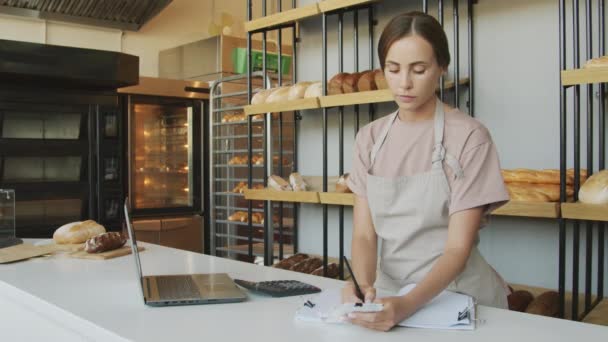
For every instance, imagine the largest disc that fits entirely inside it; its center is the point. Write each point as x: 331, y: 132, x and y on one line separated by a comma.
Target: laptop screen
x: 134, y: 250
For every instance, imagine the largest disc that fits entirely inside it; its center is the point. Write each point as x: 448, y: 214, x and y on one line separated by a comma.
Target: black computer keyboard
x: 10, y: 241
x: 279, y: 288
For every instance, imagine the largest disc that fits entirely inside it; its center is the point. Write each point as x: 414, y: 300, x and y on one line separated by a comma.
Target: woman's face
x: 412, y: 72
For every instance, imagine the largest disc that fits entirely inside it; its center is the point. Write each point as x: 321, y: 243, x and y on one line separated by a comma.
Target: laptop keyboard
x: 177, y: 287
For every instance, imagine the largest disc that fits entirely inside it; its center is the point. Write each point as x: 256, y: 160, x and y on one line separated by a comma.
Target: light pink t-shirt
x: 408, y: 149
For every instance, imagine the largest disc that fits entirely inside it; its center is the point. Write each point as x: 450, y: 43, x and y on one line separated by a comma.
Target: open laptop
x: 183, y: 289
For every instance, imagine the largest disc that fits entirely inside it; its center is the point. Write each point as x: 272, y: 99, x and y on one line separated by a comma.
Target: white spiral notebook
x: 449, y: 310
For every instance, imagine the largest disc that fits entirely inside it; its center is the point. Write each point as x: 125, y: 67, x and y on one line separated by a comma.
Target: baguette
x: 314, y: 90
x: 261, y: 96
x: 298, y: 90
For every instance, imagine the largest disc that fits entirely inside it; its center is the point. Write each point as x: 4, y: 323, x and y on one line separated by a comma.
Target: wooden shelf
x: 582, y: 211
x: 332, y: 5
x: 295, y: 14
x: 599, y: 315
x: 362, y: 97
x: 282, y: 196
x: 282, y: 18
x: 308, y: 103
x: 529, y: 209
x: 585, y: 76
x: 337, y: 198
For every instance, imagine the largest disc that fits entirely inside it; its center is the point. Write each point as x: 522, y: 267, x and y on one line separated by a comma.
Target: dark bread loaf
x: 366, y: 81
x: 104, y: 242
x: 292, y: 260
x: 349, y: 83
x: 332, y: 271
x: 519, y: 300
x: 380, y: 80
x: 307, y: 265
x: 547, y: 304
x: 334, y: 86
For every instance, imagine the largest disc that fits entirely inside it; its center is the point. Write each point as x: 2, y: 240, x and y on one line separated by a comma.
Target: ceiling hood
x: 129, y: 15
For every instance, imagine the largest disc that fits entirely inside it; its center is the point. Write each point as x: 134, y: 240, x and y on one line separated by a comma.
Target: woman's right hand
x: 349, y: 294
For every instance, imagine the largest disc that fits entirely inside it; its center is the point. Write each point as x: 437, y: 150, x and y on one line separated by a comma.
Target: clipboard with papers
x: 447, y: 311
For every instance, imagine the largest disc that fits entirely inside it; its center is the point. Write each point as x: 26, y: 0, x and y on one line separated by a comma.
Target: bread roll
x: 380, y: 80
x: 519, y: 300
x: 341, y: 185
x: 277, y: 183
x: 332, y: 271
x: 597, y: 62
x: 307, y: 265
x: 298, y: 90
x: 278, y: 95
x: 297, y: 182
x: 104, y: 242
x: 349, y: 83
x: 292, y: 260
x: 334, y: 87
x: 595, y: 189
x: 77, y: 232
x: 314, y: 90
x: 547, y: 304
x: 261, y: 96
x: 366, y: 81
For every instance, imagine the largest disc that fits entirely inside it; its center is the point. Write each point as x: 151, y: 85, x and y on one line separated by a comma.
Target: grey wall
x: 516, y: 97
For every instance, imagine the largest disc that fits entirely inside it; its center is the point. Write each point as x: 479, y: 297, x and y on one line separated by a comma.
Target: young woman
x: 424, y: 178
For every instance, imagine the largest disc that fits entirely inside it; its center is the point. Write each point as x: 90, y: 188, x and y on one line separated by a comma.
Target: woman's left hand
x: 395, y: 310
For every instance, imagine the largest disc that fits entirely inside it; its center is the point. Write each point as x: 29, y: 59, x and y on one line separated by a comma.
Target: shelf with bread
x: 295, y: 14
x: 592, y: 200
x: 343, y: 89
x: 594, y: 71
x: 599, y: 314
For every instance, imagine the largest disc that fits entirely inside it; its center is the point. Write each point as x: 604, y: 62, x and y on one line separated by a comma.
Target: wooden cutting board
x: 124, y: 250
x: 25, y: 251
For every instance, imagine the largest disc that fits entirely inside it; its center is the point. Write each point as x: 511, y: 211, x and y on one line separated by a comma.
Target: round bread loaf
x: 298, y: 90
x: 595, y: 189
x: 77, y: 232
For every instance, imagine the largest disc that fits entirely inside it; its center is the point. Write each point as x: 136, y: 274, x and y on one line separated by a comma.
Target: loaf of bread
x: 520, y: 194
x: 278, y: 95
x: 341, y: 185
x: 104, y: 242
x: 298, y: 90
x: 307, y: 265
x: 240, y: 188
x: 287, y: 263
x: 367, y: 81
x: 595, y: 189
x: 380, y: 80
x: 233, y: 117
x: 332, y: 271
x: 77, y: 232
x: 334, y: 87
x: 297, y: 182
x: 261, y: 96
x: 349, y: 83
x: 551, y: 191
x: 277, y: 183
x: 314, y: 90
x: 548, y: 176
x: 546, y: 304
x: 519, y: 300
x: 597, y: 62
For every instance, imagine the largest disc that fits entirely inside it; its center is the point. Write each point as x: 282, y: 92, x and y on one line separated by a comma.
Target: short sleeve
x: 482, y: 183
x: 357, y: 180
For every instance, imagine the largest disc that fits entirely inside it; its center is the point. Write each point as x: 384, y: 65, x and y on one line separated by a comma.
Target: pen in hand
x: 358, y: 291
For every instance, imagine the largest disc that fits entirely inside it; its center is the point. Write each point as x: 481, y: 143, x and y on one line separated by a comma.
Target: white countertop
x: 101, y: 300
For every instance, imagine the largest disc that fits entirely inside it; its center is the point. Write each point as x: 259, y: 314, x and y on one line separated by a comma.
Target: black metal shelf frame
x: 576, y: 145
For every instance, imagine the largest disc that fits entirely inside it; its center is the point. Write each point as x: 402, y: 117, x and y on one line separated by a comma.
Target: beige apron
x: 410, y: 216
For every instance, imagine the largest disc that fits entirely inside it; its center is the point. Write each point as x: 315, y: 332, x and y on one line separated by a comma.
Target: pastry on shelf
x: 314, y: 90
x: 341, y: 185
x: 546, y: 304
x: 349, y: 82
x: 287, y: 263
x: 519, y: 300
x: 597, y: 62
x: 241, y: 216
x: 242, y: 160
x: 278, y: 95
x: 332, y: 271
x: 298, y: 90
x: 535, y: 192
x: 380, y: 79
x: 297, y: 182
x: 546, y: 176
x: 277, y: 183
x: 261, y: 96
x: 334, y: 87
x: 367, y: 81
x: 595, y: 189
